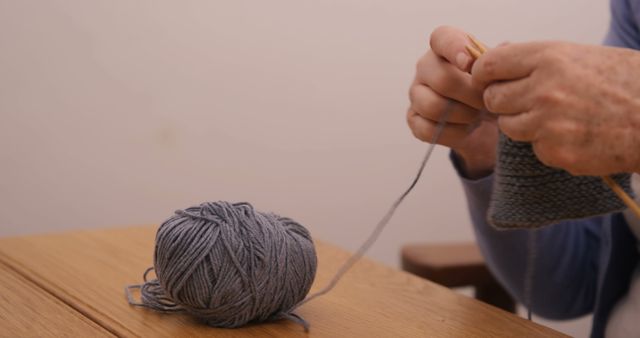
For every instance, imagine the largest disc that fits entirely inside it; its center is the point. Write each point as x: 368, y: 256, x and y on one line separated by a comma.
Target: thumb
x: 449, y: 43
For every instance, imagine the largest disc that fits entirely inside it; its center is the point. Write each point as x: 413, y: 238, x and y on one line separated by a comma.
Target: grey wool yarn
x: 529, y: 194
x: 229, y: 265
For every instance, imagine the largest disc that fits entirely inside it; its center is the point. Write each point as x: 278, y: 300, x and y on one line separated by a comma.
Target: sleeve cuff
x: 468, y: 182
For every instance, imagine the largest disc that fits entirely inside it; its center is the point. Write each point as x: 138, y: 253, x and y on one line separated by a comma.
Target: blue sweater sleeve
x: 623, y: 27
x: 565, y: 272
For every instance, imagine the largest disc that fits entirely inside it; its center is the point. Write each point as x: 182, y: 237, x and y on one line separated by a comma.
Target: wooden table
x: 72, y: 284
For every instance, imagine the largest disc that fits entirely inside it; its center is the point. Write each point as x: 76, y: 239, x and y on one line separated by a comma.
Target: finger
x: 508, y: 97
x: 507, y: 62
x: 553, y: 156
x: 446, y: 80
x: 519, y: 127
x: 431, y: 105
x: 424, y: 130
x: 449, y: 43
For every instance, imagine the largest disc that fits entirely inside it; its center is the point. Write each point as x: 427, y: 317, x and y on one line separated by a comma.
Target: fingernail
x: 463, y: 60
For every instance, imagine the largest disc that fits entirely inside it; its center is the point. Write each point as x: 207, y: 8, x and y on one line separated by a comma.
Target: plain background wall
x: 116, y: 113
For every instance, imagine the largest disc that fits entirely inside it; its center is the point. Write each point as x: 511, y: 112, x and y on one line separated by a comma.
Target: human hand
x: 578, y: 105
x: 442, y: 75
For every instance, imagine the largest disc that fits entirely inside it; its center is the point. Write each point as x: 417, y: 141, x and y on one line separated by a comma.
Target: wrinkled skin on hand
x: 579, y: 105
x: 442, y: 74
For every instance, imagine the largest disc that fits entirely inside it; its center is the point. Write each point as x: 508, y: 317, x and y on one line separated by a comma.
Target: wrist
x: 473, y: 165
x: 476, y: 157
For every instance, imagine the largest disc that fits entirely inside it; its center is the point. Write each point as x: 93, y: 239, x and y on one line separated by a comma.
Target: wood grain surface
x: 28, y: 311
x: 89, y: 270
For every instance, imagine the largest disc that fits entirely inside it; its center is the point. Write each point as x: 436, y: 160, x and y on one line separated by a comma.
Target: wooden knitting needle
x: 630, y: 202
x: 477, y: 49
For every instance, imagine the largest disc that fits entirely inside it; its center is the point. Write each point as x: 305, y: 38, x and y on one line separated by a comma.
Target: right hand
x: 441, y: 75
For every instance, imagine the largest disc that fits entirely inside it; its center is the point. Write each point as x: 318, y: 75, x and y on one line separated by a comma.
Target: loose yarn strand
x: 152, y: 295
x: 530, y: 271
x: 387, y: 217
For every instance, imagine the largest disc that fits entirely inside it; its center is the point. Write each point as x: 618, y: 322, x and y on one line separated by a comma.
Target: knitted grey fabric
x: 529, y: 194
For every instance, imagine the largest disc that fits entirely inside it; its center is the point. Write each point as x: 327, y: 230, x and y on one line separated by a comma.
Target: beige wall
x: 118, y: 112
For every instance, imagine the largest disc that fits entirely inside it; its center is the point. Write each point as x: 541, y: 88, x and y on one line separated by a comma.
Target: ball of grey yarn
x: 230, y: 265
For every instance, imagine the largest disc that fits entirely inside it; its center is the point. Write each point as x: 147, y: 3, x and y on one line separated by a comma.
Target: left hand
x: 578, y: 105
